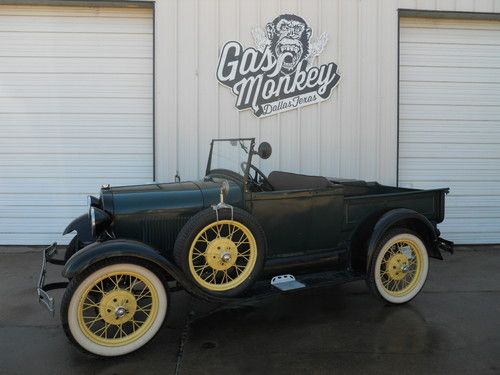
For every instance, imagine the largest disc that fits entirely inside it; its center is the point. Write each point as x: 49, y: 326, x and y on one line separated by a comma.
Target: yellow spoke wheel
x: 118, y: 308
x: 399, y: 267
x: 222, y: 255
x: 114, y: 309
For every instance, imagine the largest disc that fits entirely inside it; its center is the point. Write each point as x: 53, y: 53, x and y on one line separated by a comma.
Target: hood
x: 152, y: 198
x: 182, y: 197
x: 155, y: 213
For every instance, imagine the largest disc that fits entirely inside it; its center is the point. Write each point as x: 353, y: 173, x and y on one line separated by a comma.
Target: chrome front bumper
x: 42, y: 288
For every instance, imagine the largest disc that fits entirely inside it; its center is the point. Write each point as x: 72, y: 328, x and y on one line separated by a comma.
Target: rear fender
x: 99, y: 251
x: 82, y: 226
x: 409, y: 219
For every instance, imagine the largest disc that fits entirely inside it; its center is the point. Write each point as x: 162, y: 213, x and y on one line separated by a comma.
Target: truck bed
x: 354, y: 188
x: 362, y: 198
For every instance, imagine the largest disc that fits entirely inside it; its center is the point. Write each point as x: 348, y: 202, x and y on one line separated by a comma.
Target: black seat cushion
x: 292, y: 181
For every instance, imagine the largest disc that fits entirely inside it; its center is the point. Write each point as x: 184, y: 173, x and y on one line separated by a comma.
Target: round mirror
x: 265, y: 150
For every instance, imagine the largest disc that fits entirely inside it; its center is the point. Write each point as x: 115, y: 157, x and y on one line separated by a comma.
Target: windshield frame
x: 251, y: 152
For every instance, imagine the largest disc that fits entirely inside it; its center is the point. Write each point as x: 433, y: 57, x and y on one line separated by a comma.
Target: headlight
x: 98, y: 219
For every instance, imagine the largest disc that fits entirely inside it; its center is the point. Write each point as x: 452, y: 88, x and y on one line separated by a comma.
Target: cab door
x: 326, y: 219
x: 298, y: 221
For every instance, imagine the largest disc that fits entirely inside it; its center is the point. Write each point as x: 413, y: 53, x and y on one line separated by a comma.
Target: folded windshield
x: 230, y: 154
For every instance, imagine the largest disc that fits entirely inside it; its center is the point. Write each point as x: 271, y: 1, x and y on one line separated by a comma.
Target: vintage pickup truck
x: 234, y: 236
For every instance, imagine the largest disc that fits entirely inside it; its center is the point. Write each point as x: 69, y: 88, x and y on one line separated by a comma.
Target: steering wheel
x: 259, y: 180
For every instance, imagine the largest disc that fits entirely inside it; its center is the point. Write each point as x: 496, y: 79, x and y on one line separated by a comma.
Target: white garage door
x: 75, y: 112
x: 450, y: 120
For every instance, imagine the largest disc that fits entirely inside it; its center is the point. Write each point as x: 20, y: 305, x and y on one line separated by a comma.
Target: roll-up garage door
x: 76, y: 112
x: 449, y: 130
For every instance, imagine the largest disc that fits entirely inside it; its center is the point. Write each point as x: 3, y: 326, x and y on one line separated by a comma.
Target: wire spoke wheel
x: 114, y: 308
x: 399, y: 267
x: 118, y: 308
x: 222, y: 255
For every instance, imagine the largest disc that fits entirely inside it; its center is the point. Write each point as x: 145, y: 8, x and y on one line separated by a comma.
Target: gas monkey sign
x: 277, y: 75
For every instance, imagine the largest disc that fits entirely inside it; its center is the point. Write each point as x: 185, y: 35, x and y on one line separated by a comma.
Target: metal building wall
x: 76, y: 99
x: 449, y: 129
x: 353, y: 134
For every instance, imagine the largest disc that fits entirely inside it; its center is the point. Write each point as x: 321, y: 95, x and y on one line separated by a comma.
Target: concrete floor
x: 453, y: 326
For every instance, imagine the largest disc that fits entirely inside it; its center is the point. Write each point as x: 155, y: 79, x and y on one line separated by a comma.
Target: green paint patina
x: 335, y: 219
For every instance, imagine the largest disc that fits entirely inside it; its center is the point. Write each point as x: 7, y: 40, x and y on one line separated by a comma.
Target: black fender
x: 99, y: 251
x: 82, y: 226
x: 407, y: 218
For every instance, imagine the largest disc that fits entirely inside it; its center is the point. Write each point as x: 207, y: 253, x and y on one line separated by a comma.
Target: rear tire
x: 223, y: 257
x: 399, y: 266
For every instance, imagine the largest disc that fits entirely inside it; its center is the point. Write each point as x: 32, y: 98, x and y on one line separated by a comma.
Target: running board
x: 287, y: 284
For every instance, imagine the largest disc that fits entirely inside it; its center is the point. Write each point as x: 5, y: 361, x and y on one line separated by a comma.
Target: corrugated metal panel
x: 450, y: 120
x: 353, y: 134
x: 75, y: 112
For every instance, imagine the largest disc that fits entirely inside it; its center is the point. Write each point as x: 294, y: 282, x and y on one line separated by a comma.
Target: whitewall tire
x: 114, y: 309
x: 399, y: 266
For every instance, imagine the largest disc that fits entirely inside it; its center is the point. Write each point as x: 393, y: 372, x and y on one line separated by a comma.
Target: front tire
x: 399, y: 266
x: 114, y: 308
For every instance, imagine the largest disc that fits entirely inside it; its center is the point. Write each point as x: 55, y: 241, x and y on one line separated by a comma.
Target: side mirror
x: 265, y: 150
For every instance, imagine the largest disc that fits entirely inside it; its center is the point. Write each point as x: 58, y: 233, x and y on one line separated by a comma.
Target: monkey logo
x: 289, y: 39
x: 289, y: 36
x: 277, y: 75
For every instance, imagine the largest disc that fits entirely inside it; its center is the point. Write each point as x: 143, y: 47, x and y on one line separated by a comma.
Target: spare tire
x: 223, y: 251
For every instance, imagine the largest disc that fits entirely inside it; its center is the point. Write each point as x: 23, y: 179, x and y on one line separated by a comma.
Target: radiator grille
x: 161, y: 232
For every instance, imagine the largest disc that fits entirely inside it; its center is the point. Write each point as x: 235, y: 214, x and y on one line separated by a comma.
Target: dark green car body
x: 337, y: 226
x: 235, y: 237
